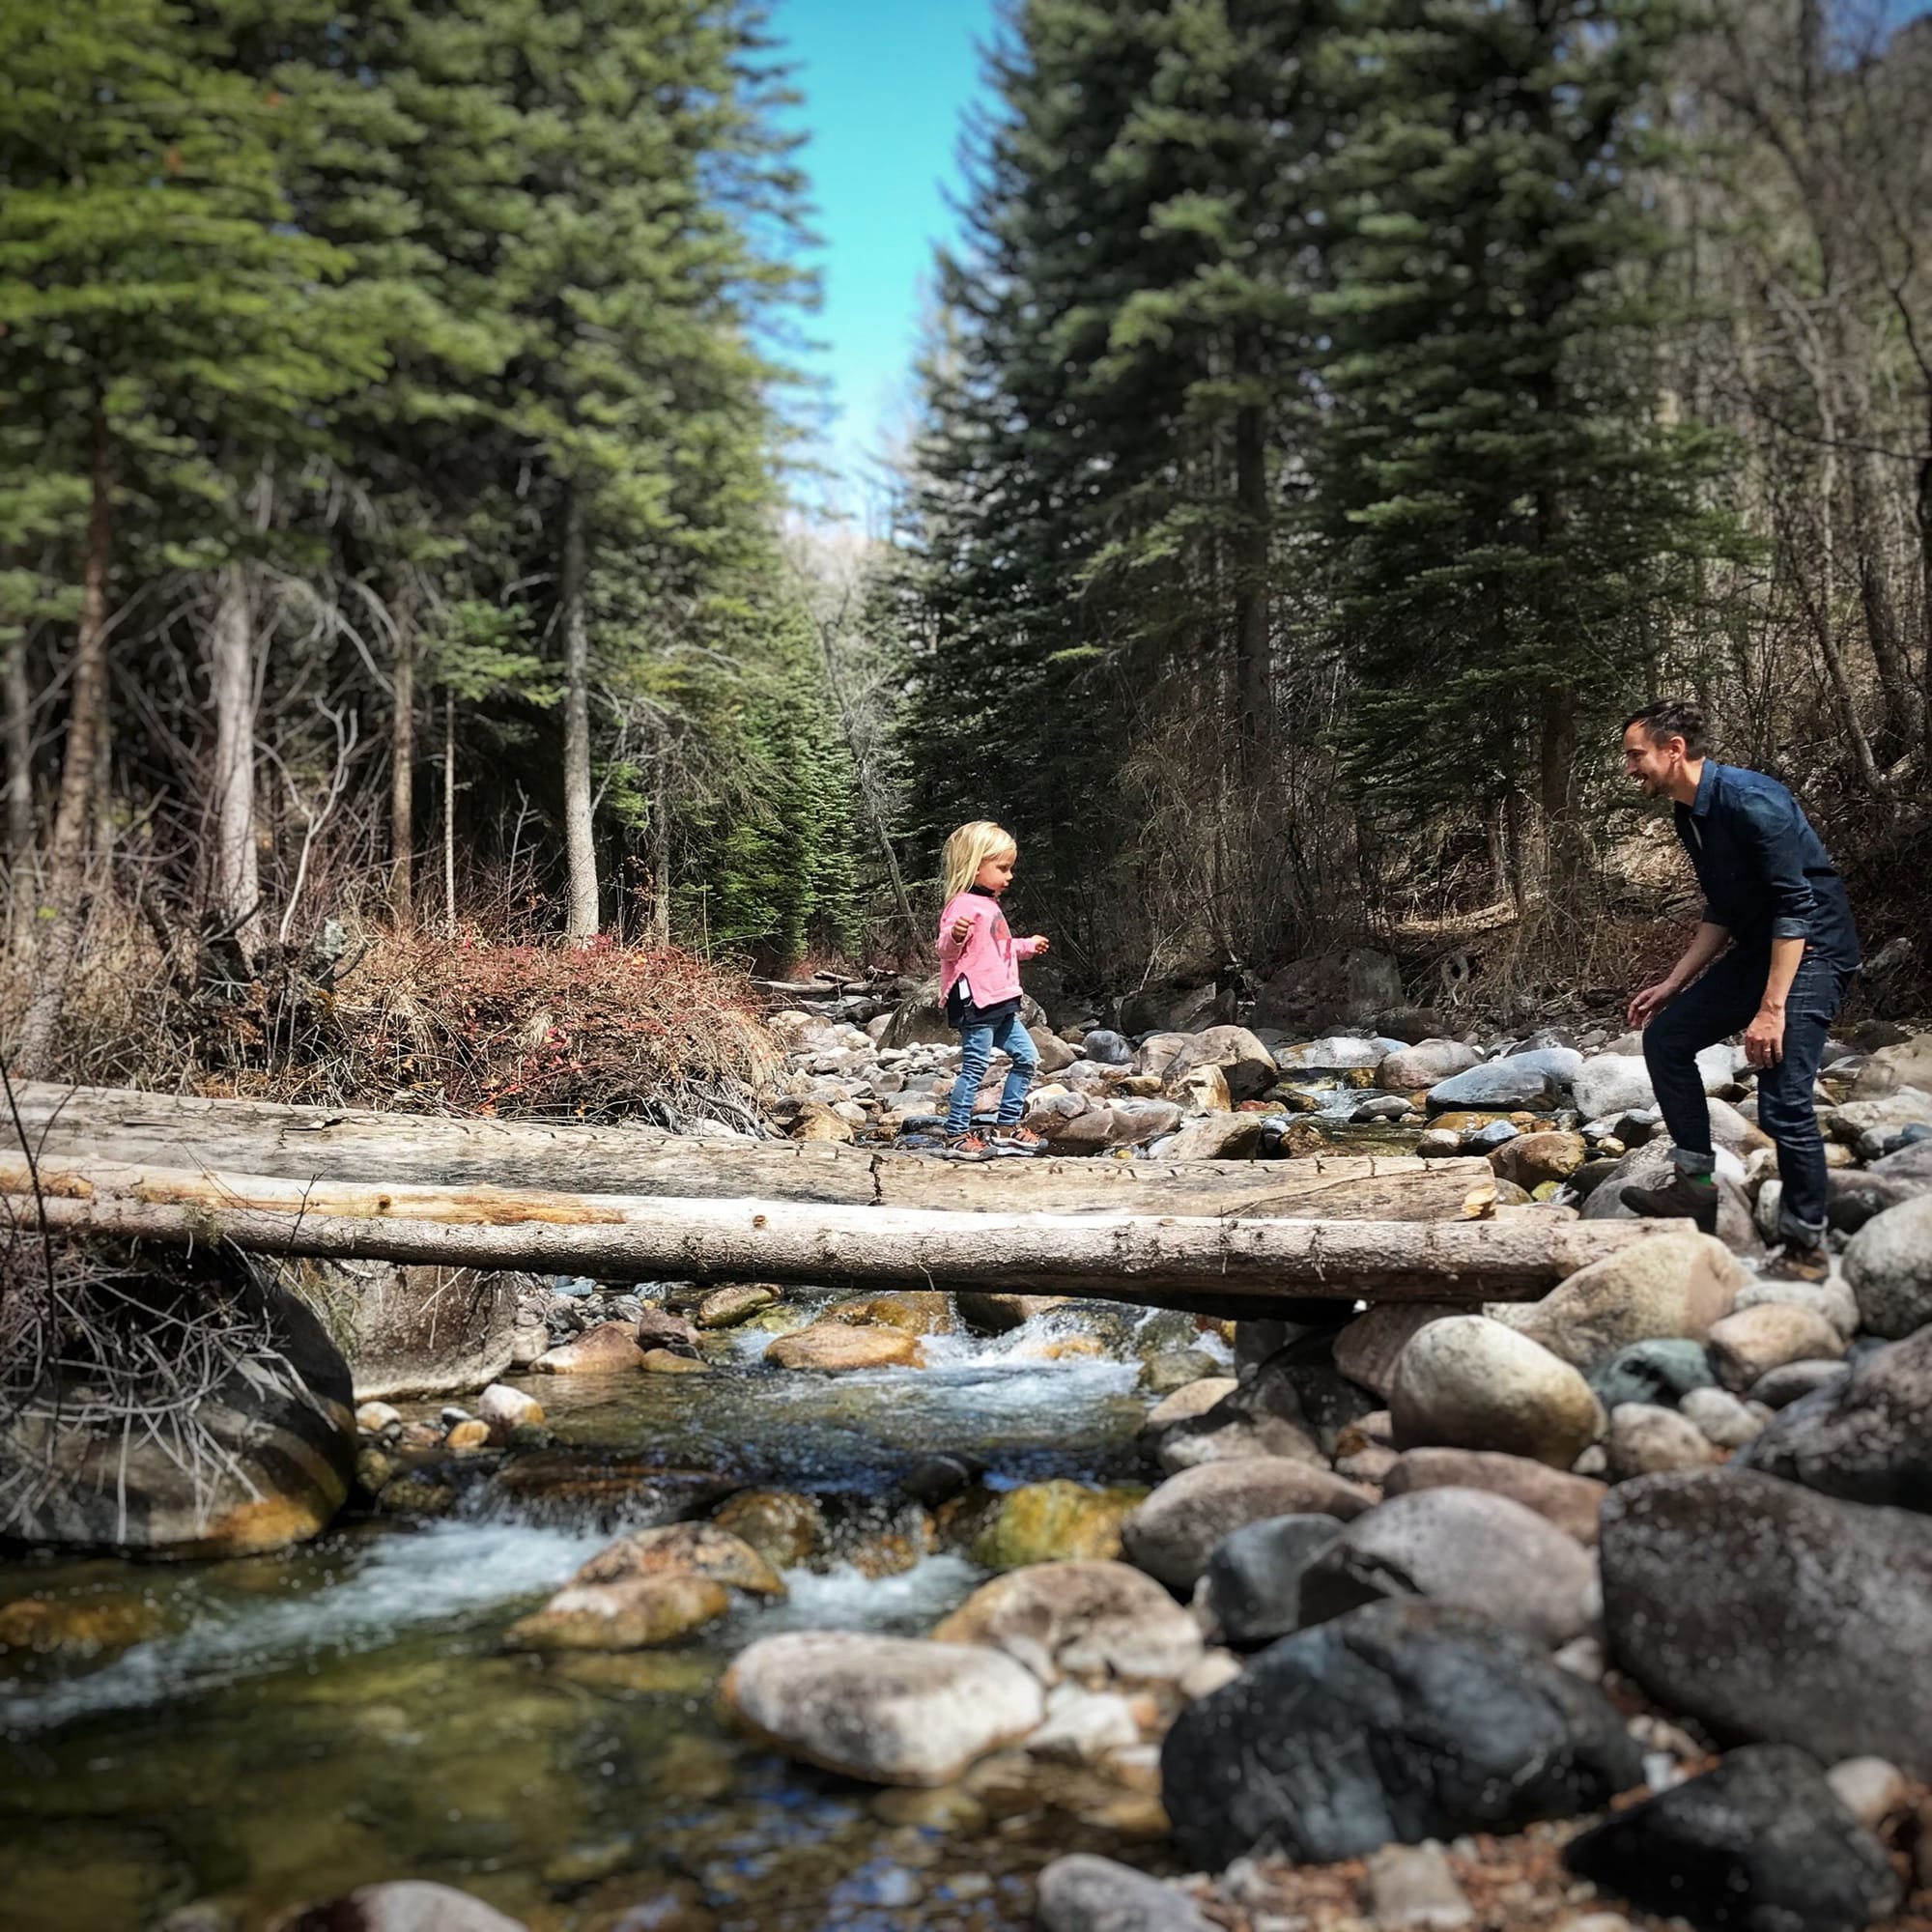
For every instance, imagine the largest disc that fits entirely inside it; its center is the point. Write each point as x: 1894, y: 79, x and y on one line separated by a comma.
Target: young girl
x: 979, y: 983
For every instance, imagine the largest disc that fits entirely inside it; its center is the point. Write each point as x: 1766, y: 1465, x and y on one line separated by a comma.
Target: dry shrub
x: 600, y: 1032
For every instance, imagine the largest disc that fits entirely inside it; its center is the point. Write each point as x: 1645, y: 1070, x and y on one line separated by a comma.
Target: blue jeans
x: 1724, y: 1002
x: 976, y: 1044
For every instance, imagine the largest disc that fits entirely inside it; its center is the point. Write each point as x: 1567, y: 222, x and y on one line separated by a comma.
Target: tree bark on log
x: 74, y: 1125
x: 1213, y: 1264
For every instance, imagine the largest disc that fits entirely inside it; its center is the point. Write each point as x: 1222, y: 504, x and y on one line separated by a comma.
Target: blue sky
x: 887, y: 84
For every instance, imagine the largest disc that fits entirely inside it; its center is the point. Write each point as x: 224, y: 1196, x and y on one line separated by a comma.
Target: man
x: 1775, y: 951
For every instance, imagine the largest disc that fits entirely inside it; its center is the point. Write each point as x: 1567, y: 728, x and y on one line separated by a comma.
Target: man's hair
x: 1672, y: 719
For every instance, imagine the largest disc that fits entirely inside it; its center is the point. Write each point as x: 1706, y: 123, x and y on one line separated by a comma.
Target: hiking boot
x: 1684, y: 1200
x: 1796, y: 1260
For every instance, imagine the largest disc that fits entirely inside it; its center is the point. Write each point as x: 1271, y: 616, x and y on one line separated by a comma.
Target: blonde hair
x: 969, y: 848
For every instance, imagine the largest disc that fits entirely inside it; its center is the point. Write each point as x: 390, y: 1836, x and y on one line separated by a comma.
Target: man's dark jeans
x: 1724, y: 1002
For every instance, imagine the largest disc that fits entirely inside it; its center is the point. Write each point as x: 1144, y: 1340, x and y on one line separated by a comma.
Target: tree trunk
x: 868, y: 801
x: 1202, y: 1261
x: 1565, y: 850
x: 62, y: 907
x: 23, y: 860
x: 449, y: 813
x: 1252, y: 642
x: 1824, y: 619
x: 235, y: 885
x: 1900, y: 728
x: 403, y: 774
x: 579, y: 848
x: 302, y: 1143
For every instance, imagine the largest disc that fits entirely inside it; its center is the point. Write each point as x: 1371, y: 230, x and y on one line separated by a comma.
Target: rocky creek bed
x: 768, y: 1606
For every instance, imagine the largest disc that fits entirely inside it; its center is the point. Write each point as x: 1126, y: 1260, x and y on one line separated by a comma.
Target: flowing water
x: 287, y: 1727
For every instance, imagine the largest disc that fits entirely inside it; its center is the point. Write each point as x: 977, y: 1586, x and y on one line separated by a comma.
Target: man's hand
x: 1764, y: 1038
x: 961, y: 927
x: 1646, y: 1005
x: 1040, y: 942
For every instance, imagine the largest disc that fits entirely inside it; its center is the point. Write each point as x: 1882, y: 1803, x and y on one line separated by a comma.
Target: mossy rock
x: 914, y: 1311
x: 1055, y: 1521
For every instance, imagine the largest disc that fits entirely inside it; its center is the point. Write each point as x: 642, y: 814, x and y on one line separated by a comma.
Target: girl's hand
x: 961, y: 927
x: 1040, y: 942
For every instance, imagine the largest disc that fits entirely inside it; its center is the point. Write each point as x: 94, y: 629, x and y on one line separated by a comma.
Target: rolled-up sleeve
x: 1771, y: 835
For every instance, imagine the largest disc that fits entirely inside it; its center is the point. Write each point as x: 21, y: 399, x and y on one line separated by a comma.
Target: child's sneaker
x: 1017, y: 1140
x: 968, y: 1147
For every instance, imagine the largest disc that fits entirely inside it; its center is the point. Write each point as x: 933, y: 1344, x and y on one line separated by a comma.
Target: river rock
x: 1471, y: 1548
x: 1888, y: 1268
x: 1758, y: 1340
x: 1338, y: 1054
x: 402, y: 1904
x: 784, y: 1528
x: 1467, y: 1382
x: 1107, y: 1047
x: 275, y: 1454
x: 1570, y: 1502
x: 1762, y: 1841
x: 1658, y: 1372
x: 1831, y: 1298
x: 1613, y: 1084
x: 885, y: 1709
x: 1000, y: 1313
x: 501, y: 1409
x: 1768, y: 1612
x: 1650, y: 1166
x: 418, y: 1331
x: 1644, y: 1439
x: 609, y: 1346
x: 1782, y: 1387
x: 1673, y: 1286
x: 1724, y: 1421
x: 1368, y: 1350
x: 1083, y: 1620
x: 1426, y: 1063
x: 1533, y: 1079
x: 1190, y: 1400
x: 917, y: 1311
x: 1046, y: 1523
x: 1084, y: 1894
x: 1252, y: 1586
x: 1531, y: 1159
x: 1248, y: 1066
x: 1866, y: 1435
x: 837, y: 1346
x: 659, y: 1328
x: 1395, y: 1723
x: 633, y: 1613
x: 1174, y: 1531
x: 726, y: 1307
x: 1219, y: 1136
x: 684, y: 1549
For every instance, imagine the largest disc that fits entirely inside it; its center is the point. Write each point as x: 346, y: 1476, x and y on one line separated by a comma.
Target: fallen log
x: 1215, y: 1265
x: 74, y: 1126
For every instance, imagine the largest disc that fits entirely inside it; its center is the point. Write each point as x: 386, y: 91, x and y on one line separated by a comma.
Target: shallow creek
x: 290, y: 1726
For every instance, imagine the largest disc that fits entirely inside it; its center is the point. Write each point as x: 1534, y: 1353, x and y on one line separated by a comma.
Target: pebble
x: 1872, y: 1789
x: 1411, y: 1886
x: 373, y: 1417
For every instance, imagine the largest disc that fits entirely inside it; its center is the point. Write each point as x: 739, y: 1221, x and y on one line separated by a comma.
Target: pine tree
x: 167, y: 326
x: 1516, y: 515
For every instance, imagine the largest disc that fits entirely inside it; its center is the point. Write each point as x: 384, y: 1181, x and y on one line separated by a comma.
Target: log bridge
x: 1238, y: 1239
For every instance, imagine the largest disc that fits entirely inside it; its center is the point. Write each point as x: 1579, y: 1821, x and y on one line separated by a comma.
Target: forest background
x: 1337, y: 415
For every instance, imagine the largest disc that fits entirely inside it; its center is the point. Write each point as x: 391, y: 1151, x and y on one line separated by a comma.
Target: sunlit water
x: 296, y: 1725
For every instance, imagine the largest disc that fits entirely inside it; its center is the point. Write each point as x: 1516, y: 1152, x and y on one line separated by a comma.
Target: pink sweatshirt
x: 988, y: 958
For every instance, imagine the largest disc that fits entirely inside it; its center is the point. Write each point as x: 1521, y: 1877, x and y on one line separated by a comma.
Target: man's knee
x: 1784, y: 1113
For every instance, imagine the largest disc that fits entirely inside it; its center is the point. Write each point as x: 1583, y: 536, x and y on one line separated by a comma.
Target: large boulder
x: 1246, y: 1066
x: 1470, y: 1547
x: 1675, y: 1286
x: 1252, y: 1586
x: 1396, y: 1723
x: 1467, y: 1382
x: 416, y: 1331
x: 634, y: 1614
x: 1768, y: 1612
x: 1174, y: 1532
x: 1536, y: 1079
x: 1329, y: 990
x: 836, y: 1348
x: 1424, y: 1064
x: 1080, y: 1620
x: 1368, y: 1350
x: 1761, y: 1842
x: 920, y: 1018
x: 1532, y: 1159
x: 1570, y: 1502
x: 256, y: 1452
x: 1865, y: 1436
x: 885, y: 1709
x: 1889, y: 1266
x: 608, y: 1349
x: 1766, y: 1336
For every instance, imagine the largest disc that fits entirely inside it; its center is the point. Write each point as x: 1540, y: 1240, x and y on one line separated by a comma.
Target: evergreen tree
x: 1517, y: 517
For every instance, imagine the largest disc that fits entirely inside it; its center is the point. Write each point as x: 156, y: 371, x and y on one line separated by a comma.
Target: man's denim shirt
x: 1765, y: 874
